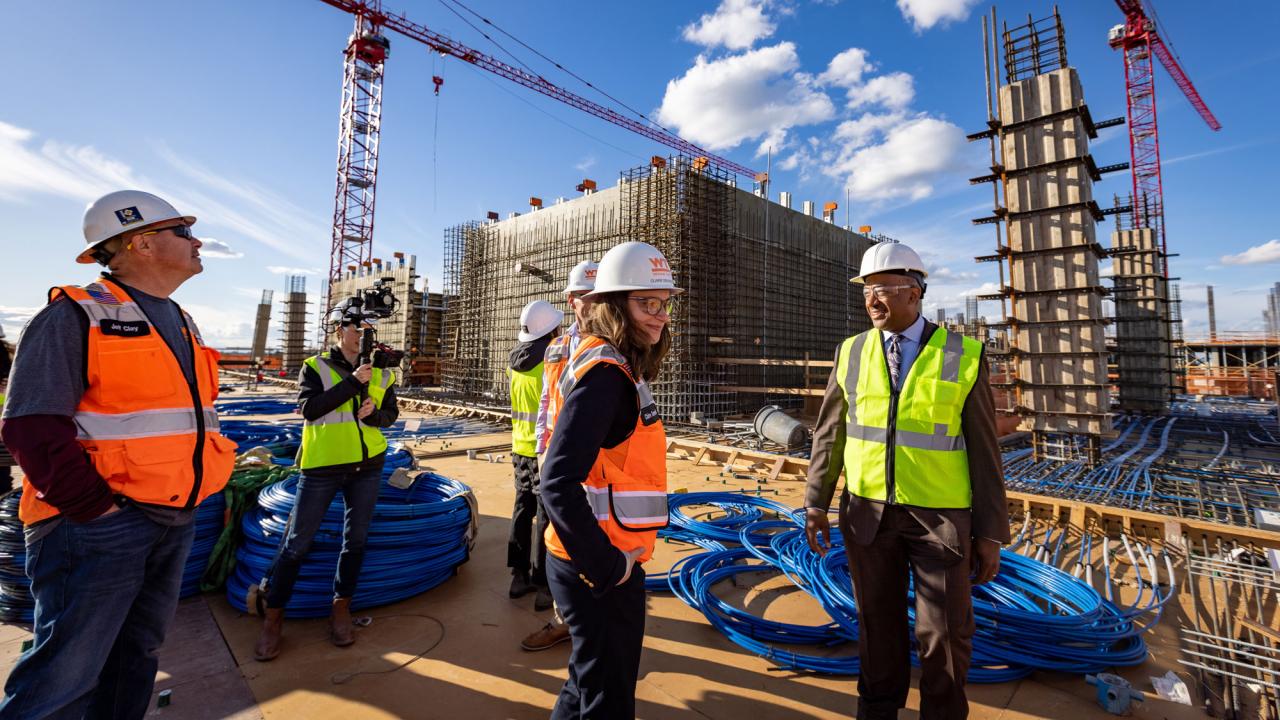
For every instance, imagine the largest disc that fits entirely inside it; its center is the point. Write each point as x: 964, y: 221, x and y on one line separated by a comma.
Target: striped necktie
x: 895, y: 359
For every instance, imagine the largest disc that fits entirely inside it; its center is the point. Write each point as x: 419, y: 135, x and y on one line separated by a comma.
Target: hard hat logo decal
x: 129, y: 215
x: 659, y: 266
x: 591, y: 273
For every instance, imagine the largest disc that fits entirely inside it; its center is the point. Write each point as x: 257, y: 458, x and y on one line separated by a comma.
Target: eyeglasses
x: 884, y: 292
x: 653, y: 305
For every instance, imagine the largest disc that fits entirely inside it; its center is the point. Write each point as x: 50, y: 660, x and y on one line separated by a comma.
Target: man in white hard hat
x: 582, y: 280
x: 908, y: 417
x: 110, y: 414
x: 526, y: 550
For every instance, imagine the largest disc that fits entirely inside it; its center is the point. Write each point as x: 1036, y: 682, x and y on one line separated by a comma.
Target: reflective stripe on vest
x: 526, y: 392
x: 338, y: 437
x: 930, y: 465
x: 148, y: 431
x: 553, y: 364
x: 626, y: 487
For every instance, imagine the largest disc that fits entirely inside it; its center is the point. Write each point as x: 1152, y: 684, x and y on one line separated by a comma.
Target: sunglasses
x: 653, y: 305
x: 182, y: 231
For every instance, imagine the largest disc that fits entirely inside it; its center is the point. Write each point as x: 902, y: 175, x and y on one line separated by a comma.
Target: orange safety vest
x: 152, y: 437
x: 554, y: 361
x: 627, y: 485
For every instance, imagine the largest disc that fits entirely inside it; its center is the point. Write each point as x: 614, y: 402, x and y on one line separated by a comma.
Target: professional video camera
x: 369, y: 306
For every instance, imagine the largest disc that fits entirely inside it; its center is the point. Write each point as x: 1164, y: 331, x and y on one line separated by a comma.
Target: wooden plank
x: 697, y: 460
x: 1261, y: 629
x: 777, y: 469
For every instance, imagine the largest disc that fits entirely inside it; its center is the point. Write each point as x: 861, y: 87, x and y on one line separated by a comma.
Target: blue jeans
x: 316, y: 490
x: 105, y: 593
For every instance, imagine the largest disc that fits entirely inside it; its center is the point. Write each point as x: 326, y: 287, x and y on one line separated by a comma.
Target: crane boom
x: 1182, y: 81
x: 451, y: 47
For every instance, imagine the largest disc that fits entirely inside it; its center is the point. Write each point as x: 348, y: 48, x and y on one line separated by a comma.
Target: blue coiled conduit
x: 416, y: 541
x: 1033, y: 616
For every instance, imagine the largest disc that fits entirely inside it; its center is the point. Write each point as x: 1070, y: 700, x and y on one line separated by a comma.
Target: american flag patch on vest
x: 102, y: 295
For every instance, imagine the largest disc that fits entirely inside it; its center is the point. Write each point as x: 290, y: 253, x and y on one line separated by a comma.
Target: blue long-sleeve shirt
x: 600, y: 412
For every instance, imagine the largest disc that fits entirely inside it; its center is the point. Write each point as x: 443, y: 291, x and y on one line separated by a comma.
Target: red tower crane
x: 1139, y: 38
x: 361, y: 121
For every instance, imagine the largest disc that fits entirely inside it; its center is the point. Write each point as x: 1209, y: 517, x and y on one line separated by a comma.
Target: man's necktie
x: 895, y: 359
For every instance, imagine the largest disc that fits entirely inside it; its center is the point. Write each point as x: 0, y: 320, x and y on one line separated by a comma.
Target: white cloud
x: 282, y: 270
x: 222, y: 327
x: 251, y: 210
x: 721, y: 103
x: 904, y: 164
x: 79, y: 172
x: 586, y: 164
x: 1268, y: 252
x: 212, y: 248
x: 895, y: 91
x: 736, y: 24
x: 13, y: 318
x: 946, y: 273
x: 986, y: 288
x: 924, y: 14
x: 846, y: 68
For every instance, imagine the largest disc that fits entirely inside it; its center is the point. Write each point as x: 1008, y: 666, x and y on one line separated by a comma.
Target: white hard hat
x: 537, y: 319
x: 582, y: 278
x: 634, y: 266
x: 121, y: 211
x: 889, y: 257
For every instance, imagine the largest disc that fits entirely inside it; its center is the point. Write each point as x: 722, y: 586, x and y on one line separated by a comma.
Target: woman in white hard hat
x: 608, y: 441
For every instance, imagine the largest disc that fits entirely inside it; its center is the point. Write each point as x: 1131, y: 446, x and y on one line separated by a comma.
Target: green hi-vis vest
x: 921, y: 423
x: 526, y: 394
x: 338, y: 438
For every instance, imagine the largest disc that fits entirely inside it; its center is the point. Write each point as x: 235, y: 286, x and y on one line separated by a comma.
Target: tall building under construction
x: 767, y: 287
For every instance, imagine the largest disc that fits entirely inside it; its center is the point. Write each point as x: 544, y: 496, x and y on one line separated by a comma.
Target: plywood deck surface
x: 474, y: 668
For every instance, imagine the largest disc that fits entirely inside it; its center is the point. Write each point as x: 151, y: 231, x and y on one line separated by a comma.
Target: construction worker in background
x: 343, y: 404
x: 582, y: 280
x: 6, y: 460
x: 908, y: 417
x: 526, y: 551
x: 110, y: 414
x: 605, y: 480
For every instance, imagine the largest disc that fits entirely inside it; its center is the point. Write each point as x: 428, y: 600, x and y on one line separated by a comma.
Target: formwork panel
x: 1144, y: 347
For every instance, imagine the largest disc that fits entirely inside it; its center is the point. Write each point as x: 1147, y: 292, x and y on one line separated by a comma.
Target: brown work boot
x: 549, y: 636
x: 341, y: 629
x: 268, y: 646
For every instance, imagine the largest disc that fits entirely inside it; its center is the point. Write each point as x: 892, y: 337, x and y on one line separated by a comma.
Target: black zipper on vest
x: 197, y: 459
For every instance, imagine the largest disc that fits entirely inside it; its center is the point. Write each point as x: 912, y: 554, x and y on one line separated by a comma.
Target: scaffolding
x: 767, y: 287
x: 1050, y: 291
x: 293, y: 325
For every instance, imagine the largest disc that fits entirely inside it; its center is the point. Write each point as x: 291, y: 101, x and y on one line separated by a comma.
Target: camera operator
x: 339, y: 391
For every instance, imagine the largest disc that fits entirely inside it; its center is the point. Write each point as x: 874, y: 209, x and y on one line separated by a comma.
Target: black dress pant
x: 902, y: 549
x: 607, y: 634
x: 526, y: 548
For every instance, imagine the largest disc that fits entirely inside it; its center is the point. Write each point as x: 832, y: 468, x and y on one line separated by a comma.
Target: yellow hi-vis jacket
x: 526, y: 395
x: 338, y: 438
x: 907, y: 446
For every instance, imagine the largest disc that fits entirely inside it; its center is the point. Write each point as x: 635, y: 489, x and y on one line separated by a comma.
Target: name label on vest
x: 649, y: 414
x: 136, y: 328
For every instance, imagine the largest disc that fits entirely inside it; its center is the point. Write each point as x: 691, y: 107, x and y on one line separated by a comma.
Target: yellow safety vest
x: 929, y: 466
x: 338, y: 438
x: 526, y: 394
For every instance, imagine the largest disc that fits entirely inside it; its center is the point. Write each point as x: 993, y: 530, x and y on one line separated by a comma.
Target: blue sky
x: 230, y: 109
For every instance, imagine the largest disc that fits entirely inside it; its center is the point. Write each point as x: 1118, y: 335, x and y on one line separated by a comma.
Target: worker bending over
x: 526, y: 550
x: 605, y: 480
x: 110, y: 414
x: 908, y: 417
